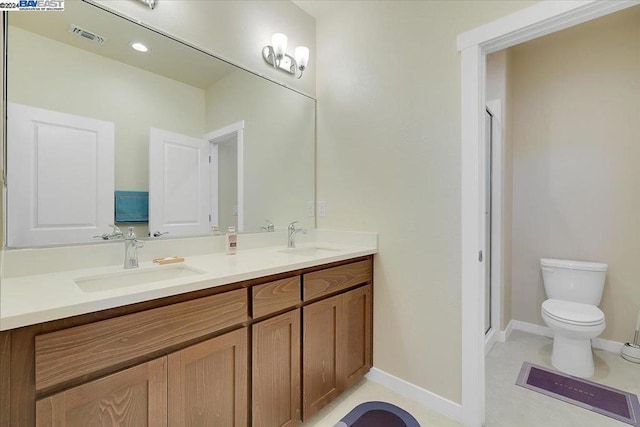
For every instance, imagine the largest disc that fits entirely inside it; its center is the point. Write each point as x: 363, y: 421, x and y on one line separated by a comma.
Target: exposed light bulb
x: 279, y: 43
x: 301, y: 54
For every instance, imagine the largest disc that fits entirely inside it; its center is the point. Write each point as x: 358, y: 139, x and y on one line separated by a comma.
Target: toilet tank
x: 576, y: 281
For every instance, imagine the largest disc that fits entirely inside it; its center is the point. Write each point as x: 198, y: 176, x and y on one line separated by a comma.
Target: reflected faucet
x: 270, y: 227
x: 115, y: 234
x: 292, y: 231
x: 131, y: 245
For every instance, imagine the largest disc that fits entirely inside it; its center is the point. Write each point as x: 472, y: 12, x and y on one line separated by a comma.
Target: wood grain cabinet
x: 276, y: 371
x: 208, y: 383
x: 357, y: 307
x: 323, y: 341
x: 202, y: 385
x: 336, y: 347
x: 133, y: 397
x: 265, y: 352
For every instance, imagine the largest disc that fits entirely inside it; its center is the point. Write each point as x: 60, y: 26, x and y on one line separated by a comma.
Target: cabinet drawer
x: 335, y: 279
x: 72, y: 353
x: 275, y: 296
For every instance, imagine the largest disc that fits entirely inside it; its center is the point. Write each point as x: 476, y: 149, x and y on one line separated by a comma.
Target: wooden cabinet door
x: 135, y: 397
x: 321, y: 364
x: 208, y: 383
x: 276, y: 371
x: 357, y: 325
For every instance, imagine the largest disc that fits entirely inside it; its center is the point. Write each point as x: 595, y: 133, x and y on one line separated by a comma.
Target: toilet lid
x: 573, y: 312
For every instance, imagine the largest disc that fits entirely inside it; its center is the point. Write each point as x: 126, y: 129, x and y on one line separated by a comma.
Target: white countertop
x: 30, y: 299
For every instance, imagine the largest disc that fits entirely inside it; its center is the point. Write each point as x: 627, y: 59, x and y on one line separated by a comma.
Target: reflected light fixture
x: 150, y: 3
x: 139, y: 47
x: 276, y: 55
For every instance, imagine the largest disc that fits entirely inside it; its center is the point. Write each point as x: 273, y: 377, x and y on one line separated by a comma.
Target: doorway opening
x: 528, y: 24
x: 226, y: 148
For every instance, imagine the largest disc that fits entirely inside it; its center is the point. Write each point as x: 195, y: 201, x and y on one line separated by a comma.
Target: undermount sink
x: 127, y: 278
x: 310, y: 251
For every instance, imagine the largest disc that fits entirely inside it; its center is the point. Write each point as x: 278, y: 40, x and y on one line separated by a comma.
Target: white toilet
x: 574, y: 289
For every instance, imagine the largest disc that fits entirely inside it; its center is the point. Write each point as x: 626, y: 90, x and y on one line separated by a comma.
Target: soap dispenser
x: 232, y: 240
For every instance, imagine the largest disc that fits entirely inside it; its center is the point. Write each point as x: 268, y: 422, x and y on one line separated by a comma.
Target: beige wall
x: 388, y: 149
x: 576, y: 128
x: 235, y: 30
x: 77, y: 78
x: 389, y: 161
x: 279, y: 144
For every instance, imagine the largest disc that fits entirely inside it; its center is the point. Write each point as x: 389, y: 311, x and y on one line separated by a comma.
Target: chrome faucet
x: 131, y: 245
x: 292, y: 231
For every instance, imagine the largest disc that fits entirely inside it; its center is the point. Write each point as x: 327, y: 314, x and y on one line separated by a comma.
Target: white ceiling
x: 312, y: 7
x: 167, y: 57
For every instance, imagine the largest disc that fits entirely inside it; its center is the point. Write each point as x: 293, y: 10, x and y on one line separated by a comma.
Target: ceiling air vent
x: 87, y: 35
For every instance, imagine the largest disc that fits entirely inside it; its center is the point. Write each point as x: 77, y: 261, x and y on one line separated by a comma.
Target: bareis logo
x: 32, y: 5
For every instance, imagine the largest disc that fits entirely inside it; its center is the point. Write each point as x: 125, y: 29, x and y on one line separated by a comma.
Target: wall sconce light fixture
x: 276, y: 55
x: 150, y: 3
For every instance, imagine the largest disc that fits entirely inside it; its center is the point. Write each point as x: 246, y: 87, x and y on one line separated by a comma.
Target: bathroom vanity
x: 270, y: 350
x: 265, y: 337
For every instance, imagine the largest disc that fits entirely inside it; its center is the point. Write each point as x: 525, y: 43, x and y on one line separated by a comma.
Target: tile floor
x: 511, y: 405
x: 507, y: 405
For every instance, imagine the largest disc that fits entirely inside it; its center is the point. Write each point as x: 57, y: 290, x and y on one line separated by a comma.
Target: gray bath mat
x: 377, y: 414
x: 595, y: 397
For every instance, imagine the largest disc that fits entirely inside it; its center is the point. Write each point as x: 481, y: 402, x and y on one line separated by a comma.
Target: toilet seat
x: 573, y: 313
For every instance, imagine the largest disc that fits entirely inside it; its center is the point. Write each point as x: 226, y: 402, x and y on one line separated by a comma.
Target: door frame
x: 474, y: 45
x: 214, y: 137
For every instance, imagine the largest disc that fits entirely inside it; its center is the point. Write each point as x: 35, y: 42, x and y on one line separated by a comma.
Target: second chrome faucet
x: 131, y: 245
x: 291, y: 234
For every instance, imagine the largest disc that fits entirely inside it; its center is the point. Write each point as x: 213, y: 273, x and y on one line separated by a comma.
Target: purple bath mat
x: 377, y: 414
x: 595, y: 397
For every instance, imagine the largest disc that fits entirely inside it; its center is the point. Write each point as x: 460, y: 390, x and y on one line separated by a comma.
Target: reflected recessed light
x: 139, y: 47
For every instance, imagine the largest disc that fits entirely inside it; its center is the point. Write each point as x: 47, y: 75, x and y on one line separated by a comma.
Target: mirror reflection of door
x: 195, y: 183
x: 60, y: 178
x: 178, y: 184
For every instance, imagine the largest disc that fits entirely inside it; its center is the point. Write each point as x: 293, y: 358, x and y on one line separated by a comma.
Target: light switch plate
x: 322, y: 208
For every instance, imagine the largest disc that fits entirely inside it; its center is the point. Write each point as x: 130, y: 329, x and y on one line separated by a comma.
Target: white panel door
x: 178, y: 184
x: 60, y: 177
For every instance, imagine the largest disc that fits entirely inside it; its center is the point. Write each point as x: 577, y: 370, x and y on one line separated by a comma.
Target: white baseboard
x: 503, y: 336
x: 489, y: 340
x: 545, y: 331
x: 607, y: 345
x: 532, y: 328
x: 431, y: 400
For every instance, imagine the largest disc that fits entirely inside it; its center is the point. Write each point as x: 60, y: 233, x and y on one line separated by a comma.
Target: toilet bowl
x: 573, y: 325
x: 574, y: 289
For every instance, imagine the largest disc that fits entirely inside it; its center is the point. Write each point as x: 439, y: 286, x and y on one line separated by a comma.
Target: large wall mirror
x: 90, y: 115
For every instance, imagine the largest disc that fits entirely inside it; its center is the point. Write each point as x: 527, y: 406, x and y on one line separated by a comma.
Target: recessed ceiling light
x: 139, y: 47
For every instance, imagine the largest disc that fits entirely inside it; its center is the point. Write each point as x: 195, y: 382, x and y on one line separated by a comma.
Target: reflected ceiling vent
x: 87, y: 35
